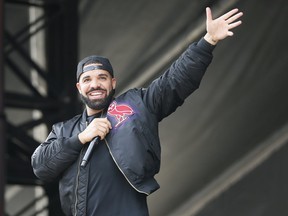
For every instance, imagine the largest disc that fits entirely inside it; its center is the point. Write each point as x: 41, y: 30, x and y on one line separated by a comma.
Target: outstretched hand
x: 218, y: 29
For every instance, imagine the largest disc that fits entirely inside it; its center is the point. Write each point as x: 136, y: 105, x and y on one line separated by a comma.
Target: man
x: 120, y: 171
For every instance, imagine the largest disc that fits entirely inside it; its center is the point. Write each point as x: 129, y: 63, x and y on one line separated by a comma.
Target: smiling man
x: 120, y: 172
x: 96, y: 89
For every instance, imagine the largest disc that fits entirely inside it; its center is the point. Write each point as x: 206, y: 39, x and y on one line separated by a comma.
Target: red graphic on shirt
x: 121, y: 112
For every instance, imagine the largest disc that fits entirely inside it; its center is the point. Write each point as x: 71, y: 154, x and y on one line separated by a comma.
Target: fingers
x: 102, y: 121
x: 235, y: 24
x: 102, y: 130
x: 101, y: 127
x: 229, y: 14
x: 220, y: 28
x: 98, y: 127
x: 230, y: 33
x: 235, y: 17
x: 231, y: 17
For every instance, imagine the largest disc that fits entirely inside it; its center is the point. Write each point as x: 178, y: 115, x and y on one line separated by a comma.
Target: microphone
x: 88, y: 153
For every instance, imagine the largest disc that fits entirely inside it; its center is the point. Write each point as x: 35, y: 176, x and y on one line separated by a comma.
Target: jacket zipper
x: 121, y: 169
x: 77, y: 180
x: 77, y: 184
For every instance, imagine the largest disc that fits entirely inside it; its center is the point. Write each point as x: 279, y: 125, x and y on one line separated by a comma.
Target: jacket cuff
x: 75, y: 143
x: 205, y: 45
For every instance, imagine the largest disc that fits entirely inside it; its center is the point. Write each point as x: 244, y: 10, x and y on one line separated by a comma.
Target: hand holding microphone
x: 95, y: 131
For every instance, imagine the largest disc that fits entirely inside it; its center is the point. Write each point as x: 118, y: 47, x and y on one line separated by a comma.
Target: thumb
x: 208, y: 14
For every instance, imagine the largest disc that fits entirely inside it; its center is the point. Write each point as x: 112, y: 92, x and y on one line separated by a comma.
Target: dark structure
x: 224, y: 152
x: 59, y: 25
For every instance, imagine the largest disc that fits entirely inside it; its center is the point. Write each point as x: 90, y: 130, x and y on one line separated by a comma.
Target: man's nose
x: 95, y: 84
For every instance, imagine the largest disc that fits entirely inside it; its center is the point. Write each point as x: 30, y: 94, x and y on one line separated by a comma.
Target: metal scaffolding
x: 59, y: 23
x: 2, y: 116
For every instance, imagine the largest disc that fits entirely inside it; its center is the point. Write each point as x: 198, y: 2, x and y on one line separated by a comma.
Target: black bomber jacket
x: 133, y: 142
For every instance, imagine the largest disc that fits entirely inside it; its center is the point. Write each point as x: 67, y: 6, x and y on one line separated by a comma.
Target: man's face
x: 96, y: 88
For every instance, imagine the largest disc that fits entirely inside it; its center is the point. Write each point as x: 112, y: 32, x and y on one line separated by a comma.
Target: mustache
x: 96, y: 89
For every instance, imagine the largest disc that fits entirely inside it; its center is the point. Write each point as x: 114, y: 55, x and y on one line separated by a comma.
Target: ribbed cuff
x: 205, y: 45
x: 75, y: 143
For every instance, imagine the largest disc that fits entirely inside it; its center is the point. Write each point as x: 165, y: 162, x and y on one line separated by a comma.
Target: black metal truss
x: 60, y: 25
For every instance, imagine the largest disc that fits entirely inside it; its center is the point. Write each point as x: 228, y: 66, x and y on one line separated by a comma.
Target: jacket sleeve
x: 183, y: 77
x: 55, y: 155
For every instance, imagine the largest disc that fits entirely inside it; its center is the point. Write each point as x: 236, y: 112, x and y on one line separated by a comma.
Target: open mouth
x: 97, y: 94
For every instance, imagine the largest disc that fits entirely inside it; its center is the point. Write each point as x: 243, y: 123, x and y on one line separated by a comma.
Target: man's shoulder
x: 70, y: 121
x: 133, y: 92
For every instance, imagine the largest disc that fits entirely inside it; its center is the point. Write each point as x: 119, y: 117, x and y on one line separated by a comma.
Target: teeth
x: 96, y: 93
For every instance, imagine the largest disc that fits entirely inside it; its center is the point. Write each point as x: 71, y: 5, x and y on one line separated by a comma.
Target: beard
x: 98, y: 104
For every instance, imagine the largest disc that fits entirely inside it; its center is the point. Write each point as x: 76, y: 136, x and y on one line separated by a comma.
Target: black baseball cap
x: 94, y: 59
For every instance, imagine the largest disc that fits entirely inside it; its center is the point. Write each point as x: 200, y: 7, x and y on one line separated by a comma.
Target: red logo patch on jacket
x: 120, y: 112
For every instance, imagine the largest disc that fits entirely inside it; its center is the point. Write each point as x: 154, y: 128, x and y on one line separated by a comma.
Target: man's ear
x: 114, y: 83
x: 78, y: 87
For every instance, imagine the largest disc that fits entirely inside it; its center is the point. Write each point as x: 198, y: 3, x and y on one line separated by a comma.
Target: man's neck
x: 91, y: 112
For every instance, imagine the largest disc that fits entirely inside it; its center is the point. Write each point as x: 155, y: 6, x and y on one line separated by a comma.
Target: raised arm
x: 183, y: 77
x: 220, y: 28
